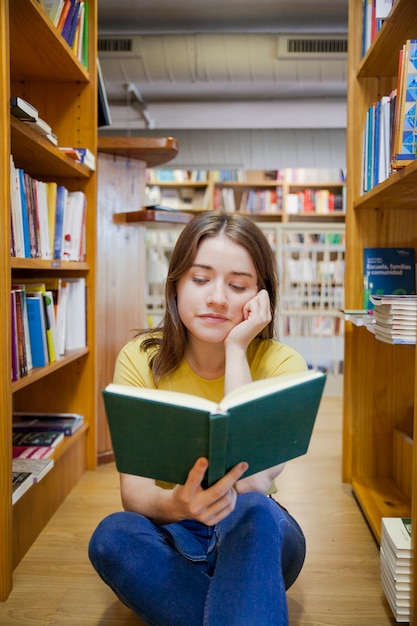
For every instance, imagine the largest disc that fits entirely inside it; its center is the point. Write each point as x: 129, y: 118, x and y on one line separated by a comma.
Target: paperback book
x: 68, y: 423
x: 48, y: 438
x: 160, y: 434
x: 21, y: 481
x: 32, y: 452
x: 387, y: 271
x: 37, y: 467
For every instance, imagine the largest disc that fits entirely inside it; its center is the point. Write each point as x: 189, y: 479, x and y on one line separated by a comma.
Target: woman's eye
x: 199, y: 280
x: 238, y: 287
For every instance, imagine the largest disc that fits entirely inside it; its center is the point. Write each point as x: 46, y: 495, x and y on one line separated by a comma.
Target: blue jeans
x: 188, y: 574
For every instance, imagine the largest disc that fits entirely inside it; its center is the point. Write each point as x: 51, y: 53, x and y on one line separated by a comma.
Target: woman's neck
x: 207, y: 361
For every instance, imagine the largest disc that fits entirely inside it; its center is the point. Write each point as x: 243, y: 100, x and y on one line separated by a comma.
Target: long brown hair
x: 172, y: 339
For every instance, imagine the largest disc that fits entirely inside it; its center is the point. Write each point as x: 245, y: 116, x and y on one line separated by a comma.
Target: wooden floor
x: 338, y: 586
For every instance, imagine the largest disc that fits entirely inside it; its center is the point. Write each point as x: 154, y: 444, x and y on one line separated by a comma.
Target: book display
x: 39, y: 374
x: 380, y: 413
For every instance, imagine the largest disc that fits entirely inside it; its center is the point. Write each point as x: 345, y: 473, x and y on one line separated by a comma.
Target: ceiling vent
x: 118, y: 47
x: 293, y: 47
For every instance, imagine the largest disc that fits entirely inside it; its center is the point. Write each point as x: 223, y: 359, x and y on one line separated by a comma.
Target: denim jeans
x: 188, y: 574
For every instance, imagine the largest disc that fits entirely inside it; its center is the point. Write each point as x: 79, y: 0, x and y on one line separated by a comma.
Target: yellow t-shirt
x: 266, y: 358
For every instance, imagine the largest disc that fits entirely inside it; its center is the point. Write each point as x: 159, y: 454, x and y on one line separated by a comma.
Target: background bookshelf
x: 285, y: 195
x: 52, y: 76
x: 379, y: 458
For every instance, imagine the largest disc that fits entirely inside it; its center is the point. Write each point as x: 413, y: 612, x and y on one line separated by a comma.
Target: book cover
x: 37, y: 330
x: 37, y: 467
x: 22, y: 481
x: 406, y: 138
x: 48, y: 438
x: 22, y: 109
x: 32, y: 452
x: 160, y: 434
x: 68, y: 423
x: 387, y: 271
x: 61, y: 202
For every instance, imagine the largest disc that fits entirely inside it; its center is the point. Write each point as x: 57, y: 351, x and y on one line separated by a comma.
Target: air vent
x: 301, y: 47
x: 118, y: 47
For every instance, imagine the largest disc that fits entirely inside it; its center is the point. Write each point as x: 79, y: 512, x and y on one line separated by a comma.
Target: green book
x: 160, y: 434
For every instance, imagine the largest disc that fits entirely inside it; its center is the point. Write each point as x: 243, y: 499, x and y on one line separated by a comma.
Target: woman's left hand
x: 256, y: 315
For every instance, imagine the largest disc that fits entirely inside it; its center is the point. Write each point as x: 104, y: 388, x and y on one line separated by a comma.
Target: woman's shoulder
x: 269, y: 357
x: 132, y: 363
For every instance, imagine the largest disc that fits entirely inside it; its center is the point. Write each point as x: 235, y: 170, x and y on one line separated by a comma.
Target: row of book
x: 375, y: 13
x: 314, y: 239
x: 320, y: 201
x: 35, y: 437
x: 48, y: 221
x: 389, y: 134
x: 396, y: 555
x: 48, y: 318
x: 70, y: 18
x: 255, y: 201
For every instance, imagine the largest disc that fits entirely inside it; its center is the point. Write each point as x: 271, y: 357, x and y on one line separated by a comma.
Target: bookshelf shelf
x: 379, y: 379
x: 38, y: 373
x: 38, y: 66
x: 41, y: 156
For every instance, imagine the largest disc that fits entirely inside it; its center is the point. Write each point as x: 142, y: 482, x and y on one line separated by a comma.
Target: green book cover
x: 160, y: 434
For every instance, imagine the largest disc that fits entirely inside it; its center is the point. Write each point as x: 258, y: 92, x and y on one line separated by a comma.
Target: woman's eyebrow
x: 233, y: 272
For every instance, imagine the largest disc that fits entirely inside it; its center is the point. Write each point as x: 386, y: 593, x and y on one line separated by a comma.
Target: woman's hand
x: 208, y: 506
x: 256, y: 315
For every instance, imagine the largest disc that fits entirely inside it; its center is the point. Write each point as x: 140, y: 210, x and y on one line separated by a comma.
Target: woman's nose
x: 217, y: 295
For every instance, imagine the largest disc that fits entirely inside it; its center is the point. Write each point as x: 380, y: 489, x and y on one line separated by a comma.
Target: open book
x: 160, y: 434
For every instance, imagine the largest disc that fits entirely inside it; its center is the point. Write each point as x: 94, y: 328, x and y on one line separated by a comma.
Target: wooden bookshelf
x: 379, y: 379
x: 51, y: 78
x: 252, y: 193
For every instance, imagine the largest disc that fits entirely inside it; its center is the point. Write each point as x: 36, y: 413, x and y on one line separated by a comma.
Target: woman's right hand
x: 208, y: 506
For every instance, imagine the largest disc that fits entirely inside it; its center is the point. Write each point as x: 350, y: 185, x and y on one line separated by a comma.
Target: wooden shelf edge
x: 152, y: 150
x: 380, y: 497
x: 400, y: 185
x: 17, y: 263
x: 147, y: 216
x: 38, y: 373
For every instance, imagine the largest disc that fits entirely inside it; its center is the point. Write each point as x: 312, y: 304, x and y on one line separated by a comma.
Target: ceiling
x: 216, y: 64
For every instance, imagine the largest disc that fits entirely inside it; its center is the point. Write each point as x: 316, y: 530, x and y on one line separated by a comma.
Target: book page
x: 264, y: 387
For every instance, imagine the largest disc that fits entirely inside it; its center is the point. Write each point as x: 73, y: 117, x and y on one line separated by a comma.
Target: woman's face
x: 212, y: 293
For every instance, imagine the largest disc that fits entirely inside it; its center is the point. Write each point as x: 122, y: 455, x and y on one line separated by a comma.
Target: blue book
x: 25, y: 217
x: 37, y: 330
x: 387, y: 271
x: 61, y: 202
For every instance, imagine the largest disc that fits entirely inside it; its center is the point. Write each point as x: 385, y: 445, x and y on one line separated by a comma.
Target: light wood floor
x: 338, y: 586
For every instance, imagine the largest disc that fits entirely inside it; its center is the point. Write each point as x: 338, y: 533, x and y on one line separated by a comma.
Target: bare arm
x: 257, y: 315
x: 188, y: 501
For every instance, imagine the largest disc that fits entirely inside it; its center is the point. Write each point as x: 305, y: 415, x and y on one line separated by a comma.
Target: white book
x: 37, y: 467
x: 73, y: 226
x: 75, y: 331
x: 22, y: 481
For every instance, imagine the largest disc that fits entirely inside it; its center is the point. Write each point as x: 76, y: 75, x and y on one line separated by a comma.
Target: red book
x: 32, y: 452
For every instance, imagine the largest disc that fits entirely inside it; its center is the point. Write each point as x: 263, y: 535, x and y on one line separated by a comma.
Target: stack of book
x: 29, y: 115
x: 395, y: 318
x: 36, y: 435
x: 396, y: 566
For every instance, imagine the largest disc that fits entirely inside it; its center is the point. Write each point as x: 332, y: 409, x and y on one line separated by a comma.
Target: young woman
x: 181, y: 555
